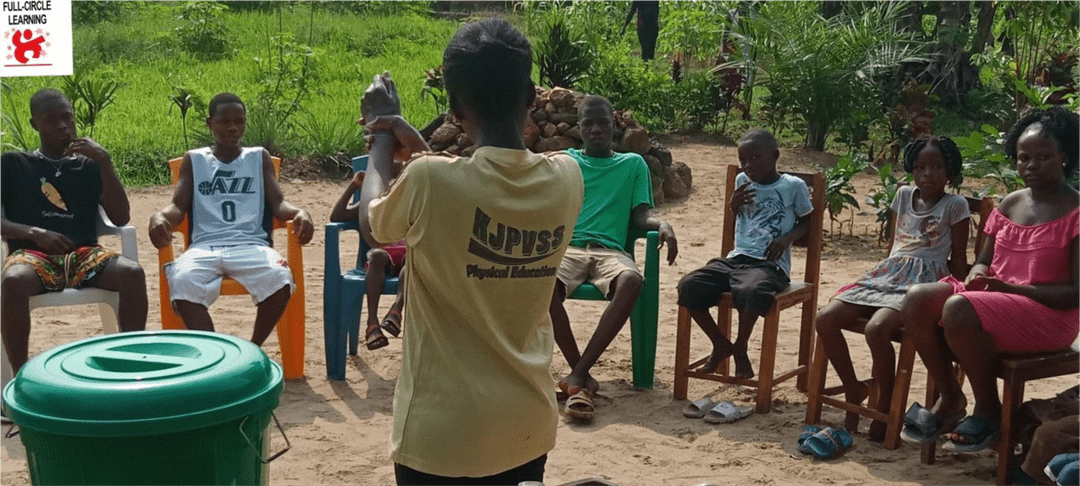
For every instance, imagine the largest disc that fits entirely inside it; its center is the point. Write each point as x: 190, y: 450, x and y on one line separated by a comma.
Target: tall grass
x: 141, y: 50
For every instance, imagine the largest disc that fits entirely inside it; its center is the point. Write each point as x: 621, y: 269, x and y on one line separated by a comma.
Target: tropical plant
x: 563, y: 57
x: 184, y: 100
x: 839, y: 192
x: 984, y: 157
x: 434, y: 89
x: 330, y: 138
x: 89, y: 97
x: 201, y: 29
x: 825, y: 68
x: 881, y: 199
x: 16, y: 134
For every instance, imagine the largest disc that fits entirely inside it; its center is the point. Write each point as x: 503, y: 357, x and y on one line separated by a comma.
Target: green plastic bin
x: 168, y: 407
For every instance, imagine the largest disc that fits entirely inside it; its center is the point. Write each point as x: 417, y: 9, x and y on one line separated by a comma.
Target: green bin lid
x: 143, y: 383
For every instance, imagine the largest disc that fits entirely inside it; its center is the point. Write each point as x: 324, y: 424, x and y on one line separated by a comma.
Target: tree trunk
x: 951, y: 67
x: 816, y: 132
x: 984, y: 35
x: 911, y: 19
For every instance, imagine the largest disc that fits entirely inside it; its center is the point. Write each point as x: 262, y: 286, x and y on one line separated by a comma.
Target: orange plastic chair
x: 290, y: 328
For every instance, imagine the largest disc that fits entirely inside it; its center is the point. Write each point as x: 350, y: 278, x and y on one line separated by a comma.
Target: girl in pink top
x: 1021, y: 295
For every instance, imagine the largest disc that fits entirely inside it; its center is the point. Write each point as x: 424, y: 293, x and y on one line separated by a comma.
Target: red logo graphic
x: 26, y: 46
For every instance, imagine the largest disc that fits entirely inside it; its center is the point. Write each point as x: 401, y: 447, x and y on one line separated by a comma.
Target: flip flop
x: 922, y: 426
x: 392, y: 322
x: 1055, y: 466
x: 726, y: 412
x: 560, y: 391
x: 375, y: 338
x: 807, y: 431
x: 1070, y: 474
x: 979, y: 432
x: 829, y: 442
x: 579, y: 404
x: 698, y: 408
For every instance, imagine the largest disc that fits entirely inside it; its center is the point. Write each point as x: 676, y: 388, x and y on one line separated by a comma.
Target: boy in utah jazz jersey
x: 232, y: 196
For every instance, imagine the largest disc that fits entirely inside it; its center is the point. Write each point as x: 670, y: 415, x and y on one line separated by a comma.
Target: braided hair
x: 1058, y: 124
x: 954, y: 162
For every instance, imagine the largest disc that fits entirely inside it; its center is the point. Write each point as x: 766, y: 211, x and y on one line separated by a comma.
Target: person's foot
x: 392, y: 322
x: 743, y: 368
x: 374, y: 337
x: 719, y: 354
x: 877, y: 431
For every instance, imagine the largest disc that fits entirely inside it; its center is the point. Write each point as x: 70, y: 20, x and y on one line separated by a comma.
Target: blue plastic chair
x: 643, y: 318
x: 344, y: 292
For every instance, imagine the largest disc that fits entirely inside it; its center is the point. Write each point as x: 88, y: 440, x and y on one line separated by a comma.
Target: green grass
x: 142, y: 128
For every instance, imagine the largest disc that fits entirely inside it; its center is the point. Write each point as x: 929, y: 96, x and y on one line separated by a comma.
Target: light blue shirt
x: 776, y: 209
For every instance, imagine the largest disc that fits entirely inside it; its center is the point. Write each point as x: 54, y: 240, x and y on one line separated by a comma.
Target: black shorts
x: 753, y: 284
x: 530, y: 471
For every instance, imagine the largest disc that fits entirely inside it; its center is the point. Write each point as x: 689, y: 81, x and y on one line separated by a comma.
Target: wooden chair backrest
x: 183, y: 228
x: 813, y: 240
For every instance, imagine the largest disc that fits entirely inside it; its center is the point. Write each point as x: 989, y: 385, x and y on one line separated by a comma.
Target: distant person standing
x: 648, y: 25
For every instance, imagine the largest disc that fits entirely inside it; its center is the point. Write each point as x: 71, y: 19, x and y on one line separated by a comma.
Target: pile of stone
x: 553, y: 125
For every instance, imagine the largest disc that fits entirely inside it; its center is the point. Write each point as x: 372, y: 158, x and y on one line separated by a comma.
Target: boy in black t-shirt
x: 50, y: 199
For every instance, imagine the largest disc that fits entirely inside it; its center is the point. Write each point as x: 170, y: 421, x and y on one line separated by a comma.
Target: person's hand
x: 667, y: 236
x: 989, y: 284
x: 742, y: 196
x: 88, y: 147
x: 357, y: 181
x: 408, y: 140
x: 50, y: 242
x: 776, y: 248
x: 976, y: 273
x: 380, y: 99
x: 303, y: 227
x: 160, y: 231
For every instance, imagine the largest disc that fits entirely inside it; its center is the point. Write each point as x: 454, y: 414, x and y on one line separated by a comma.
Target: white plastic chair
x: 108, y: 301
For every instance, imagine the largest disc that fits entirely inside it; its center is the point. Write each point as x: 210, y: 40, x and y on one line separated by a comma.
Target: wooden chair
x: 894, y: 418
x: 1015, y: 370
x: 290, y: 328
x: 799, y: 292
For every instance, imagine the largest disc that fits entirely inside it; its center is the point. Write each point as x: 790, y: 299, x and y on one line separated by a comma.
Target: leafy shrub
x: 202, y: 30
x: 17, y: 133
x: 91, y: 12
x: 562, y: 56
x: 881, y: 199
x: 984, y: 156
x: 89, y: 97
x: 839, y: 192
x: 645, y: 88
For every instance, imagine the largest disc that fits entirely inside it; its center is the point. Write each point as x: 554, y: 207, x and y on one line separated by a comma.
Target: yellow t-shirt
x: 485, y: 238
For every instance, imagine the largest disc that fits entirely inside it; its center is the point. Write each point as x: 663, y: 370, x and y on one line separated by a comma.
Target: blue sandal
x: 978, y: 432
x: 922, y: 426
x: 807, y: 431
x: 829, y: 442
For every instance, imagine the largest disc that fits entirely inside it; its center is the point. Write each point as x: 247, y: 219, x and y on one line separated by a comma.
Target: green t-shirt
x: 613, y: 188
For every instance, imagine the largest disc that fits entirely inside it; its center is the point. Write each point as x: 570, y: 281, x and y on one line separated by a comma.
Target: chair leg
x: 928, y: 450
x: 807, y: 336
x: 682, y: 353
x: 768, y: 360
x: 816, y: 385
x: 901, y: 387
x: 1011, y: 397
x: 109, y: 312
x: 290, y: 331
x: 351, y: 315
x: 643, y: 342
x: 723, y: 321
x: 333, y: 334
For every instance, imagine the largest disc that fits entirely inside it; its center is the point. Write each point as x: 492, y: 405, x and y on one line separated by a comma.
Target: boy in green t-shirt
x: 618, y: 193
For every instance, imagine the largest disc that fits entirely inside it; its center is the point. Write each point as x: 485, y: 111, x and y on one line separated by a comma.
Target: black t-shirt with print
x: 33, y: 194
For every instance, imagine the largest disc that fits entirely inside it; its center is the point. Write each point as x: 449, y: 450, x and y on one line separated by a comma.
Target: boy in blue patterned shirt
x: 772, y: 211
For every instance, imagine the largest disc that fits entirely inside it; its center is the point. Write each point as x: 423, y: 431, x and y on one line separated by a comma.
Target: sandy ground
x: 340, y: 430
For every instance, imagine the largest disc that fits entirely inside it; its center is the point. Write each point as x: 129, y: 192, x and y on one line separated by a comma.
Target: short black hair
x: 222, y: 98
x: 592, y: 100
x: 1058, y: 124
x: 761, y: 137
x: 954, y: 162
x: 45, y: 95
x: 488, y: 66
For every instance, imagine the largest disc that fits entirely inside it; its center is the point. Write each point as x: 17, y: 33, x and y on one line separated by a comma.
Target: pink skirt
x: 1019, y: 324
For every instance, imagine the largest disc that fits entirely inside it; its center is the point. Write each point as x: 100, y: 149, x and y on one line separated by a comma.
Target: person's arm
x: 47, y: 241
x: 380, y: 99
x: 1058, y: 296
x: 163, y: 222
x: 644, y: 220
x: 282, y: 209
x: 781, y: 243
x: 629, y: 15
x: 344, y: 211
x: 113, y: 198
x: 957, y: 263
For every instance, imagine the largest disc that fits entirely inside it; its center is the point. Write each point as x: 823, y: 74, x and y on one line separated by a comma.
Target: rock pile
x: 552, y: 125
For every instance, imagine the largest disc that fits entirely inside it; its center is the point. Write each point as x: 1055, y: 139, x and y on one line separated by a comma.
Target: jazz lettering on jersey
x: 223, y: 182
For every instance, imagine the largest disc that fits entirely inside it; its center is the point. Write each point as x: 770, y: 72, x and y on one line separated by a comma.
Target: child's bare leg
x: 830, y: 328
x: 624, y: 292
x: 564, y: 335
x: 921, y: 312
x: 126, y: 278
x: 878, y: 335
x: 18, y: 284
x: 976, y: 352
x: 743, y: 368
x: 378, y: 261
x: 268, y: 313
x: 722, y: 347
x: 196, y: 317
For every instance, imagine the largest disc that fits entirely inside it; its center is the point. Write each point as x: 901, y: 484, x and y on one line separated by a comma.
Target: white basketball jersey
x: 228, y: 206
